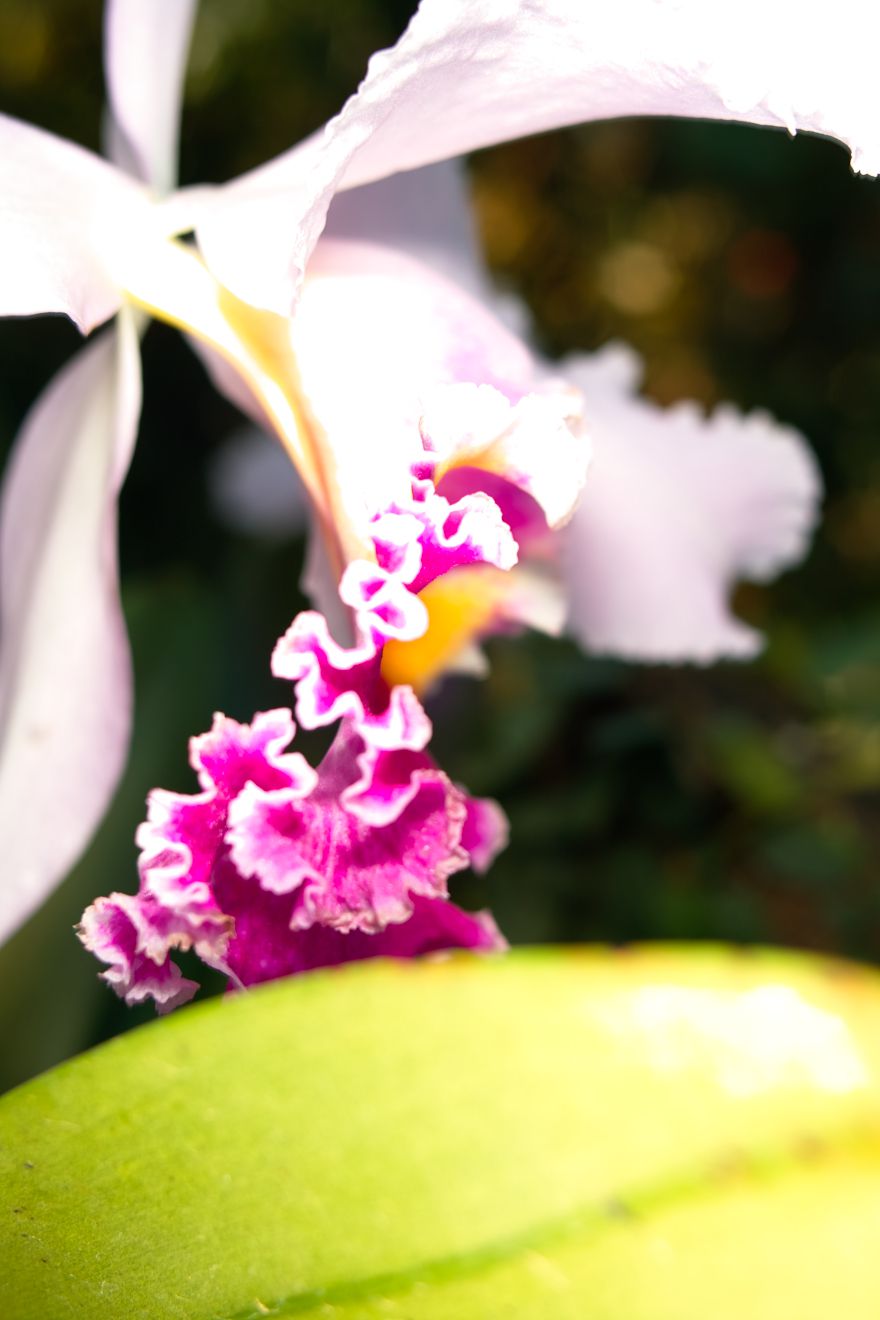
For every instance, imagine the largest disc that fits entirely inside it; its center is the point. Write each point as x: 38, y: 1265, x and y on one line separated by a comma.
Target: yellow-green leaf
x: 656, y: 1133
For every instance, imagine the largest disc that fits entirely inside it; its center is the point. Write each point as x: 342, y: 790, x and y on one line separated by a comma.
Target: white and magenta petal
x: 111, y: 930
x: 232, y: 754
x: 485, y: 832
x: 415, y: 544
x: 145, y: 49
x: 382, y: 602
x: 263, y: 878
x: 348, y: 874
x: 182, y: 834
x: 266, y: 949
x: 677, y: 508
x: 469, y: 532
x: 536, y: 443
x: 65, y: 671
x: 374, y: 785
x: 333, y: 683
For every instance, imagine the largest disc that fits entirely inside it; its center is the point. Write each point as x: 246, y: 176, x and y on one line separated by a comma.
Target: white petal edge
x: 65, y: 670
x: 145, y: 49
x: 677, y: 507
x: 64, y: 216
x: 470, y: 73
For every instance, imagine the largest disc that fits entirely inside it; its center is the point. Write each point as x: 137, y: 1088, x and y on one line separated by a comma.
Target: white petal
x: 63, y: 215
x: 145, y: 49
x: 677, y: 506
x: 65, y: 673
x: 468, y: 73
x: 168, y: 280
x: 426, y: 214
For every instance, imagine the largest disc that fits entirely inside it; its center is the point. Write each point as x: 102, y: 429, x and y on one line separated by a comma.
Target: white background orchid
x: 464, y: 75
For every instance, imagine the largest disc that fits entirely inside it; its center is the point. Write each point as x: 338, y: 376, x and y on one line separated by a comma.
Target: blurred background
x: 736, y: 803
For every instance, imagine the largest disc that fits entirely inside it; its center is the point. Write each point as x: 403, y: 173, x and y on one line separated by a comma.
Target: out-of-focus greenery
x: 738, y: 802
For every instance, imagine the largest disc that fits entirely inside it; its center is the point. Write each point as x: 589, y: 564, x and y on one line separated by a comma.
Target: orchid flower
x: 275, y: 867
x: 91, y: 239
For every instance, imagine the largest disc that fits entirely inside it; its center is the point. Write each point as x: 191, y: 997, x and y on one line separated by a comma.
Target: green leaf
x: 652, y: 1133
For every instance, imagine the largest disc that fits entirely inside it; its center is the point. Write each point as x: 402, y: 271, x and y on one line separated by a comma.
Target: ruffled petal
x: 183, y: 832
x: 65, y: 215
x: 677, y: 507
x: 65, y: 672
x: 334, y: 683
x: 274, y: 868
x: 385, y: 782
x: 265, y: 949
x: 112, y: 930
x: 415, y: 544
x: 233, y: 754
x: 485, y: 832
x: 145, y: 50
x: 469, y: 73
x: 348, y: 874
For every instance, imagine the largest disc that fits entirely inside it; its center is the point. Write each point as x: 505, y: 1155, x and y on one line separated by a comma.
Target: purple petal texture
x: 349, y: 874
x: 484, y: 832
x: 265, y: 949
x: 274, y: 867
x: 415, y: 543
x: 118, y: 931
x: 333, y: 682
x: 181, y: 835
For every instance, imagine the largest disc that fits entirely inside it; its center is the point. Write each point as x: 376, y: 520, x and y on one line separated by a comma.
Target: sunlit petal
x: 145, y: 49
x: 426, y: 214
x: 168, y: 279
x: 63, y: 215
x: 65, y: 678
x: 677, y: 507
x: 400, y: 336
x: 468, y: 73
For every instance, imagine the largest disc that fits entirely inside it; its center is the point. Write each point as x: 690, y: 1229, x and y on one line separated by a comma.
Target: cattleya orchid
x: 675, y: 508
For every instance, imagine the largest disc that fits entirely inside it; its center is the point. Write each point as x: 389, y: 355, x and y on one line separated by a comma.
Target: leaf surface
x: 652, y: 1133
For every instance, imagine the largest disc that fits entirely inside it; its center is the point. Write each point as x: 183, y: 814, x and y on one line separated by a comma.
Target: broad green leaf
x: 657, y: 1133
